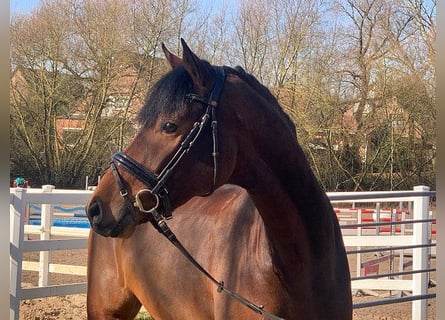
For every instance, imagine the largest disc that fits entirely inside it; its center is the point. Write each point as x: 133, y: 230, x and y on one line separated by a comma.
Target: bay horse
x: 216, y: 151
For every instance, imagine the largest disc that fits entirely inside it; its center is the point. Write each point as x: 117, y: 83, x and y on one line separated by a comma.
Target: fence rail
x: 47, y: 197
x: 414, y: 241
x: 418, y: 243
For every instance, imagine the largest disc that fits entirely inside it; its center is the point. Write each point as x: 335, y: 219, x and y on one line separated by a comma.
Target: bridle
x: 156, y: 183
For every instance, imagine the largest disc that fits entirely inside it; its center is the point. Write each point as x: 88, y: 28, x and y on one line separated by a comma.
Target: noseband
x: 156, y: 182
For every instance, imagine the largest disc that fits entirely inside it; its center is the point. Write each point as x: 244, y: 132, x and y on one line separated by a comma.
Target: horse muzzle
x: 112, y: 228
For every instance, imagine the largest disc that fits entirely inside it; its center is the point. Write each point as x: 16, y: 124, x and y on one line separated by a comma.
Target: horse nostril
x: 94, y: 212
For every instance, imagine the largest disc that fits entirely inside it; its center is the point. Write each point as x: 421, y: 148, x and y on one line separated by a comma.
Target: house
x: 125, y: 94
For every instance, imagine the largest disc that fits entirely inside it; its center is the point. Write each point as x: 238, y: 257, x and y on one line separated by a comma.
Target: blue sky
x: 22, y: 6
x: 25, y: 6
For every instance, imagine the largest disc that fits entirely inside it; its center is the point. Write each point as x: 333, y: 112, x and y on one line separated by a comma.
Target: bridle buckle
x: 138, y: 203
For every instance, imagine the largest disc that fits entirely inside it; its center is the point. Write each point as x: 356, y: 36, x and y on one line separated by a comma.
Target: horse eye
x: 169, y: 127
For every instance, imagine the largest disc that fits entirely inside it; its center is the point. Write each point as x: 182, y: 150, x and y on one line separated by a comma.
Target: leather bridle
x: 157, y: 188
x: 156, y: 182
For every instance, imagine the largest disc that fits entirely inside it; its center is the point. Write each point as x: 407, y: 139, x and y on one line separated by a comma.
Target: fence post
x: 420, y: 255
x: 17, y: 210
x: 45, y: 234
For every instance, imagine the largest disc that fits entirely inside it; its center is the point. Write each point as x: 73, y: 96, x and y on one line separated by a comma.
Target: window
x: 115, y: 104
x: 71, y: 136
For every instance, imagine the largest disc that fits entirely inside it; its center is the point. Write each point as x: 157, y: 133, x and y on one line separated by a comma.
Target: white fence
x: 20, y: 199
x: 415, y: 242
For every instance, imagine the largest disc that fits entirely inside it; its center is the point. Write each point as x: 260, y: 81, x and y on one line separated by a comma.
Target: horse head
x: 177, y: 153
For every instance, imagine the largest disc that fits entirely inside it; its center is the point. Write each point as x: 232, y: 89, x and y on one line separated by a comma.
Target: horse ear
x: 200, y: 71
x: 174, y: 60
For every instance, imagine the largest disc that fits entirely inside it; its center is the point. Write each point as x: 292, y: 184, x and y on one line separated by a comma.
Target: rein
x: 168, y: 233
x: 160, y: 193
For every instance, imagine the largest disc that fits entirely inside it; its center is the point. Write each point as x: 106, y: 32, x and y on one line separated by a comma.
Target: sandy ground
x: 74, y: 306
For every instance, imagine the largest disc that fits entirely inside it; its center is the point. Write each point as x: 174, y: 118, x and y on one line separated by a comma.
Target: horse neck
x: 288, y: 197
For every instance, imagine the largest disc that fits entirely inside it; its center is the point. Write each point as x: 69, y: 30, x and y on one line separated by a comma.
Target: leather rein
x: 160, y: 193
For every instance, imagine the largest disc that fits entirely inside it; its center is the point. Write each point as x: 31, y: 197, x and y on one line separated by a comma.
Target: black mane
x: 264, y: 91
x: 166, y: 96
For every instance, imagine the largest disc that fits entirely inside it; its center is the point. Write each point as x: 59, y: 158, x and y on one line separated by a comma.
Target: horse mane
x: 263, y: 91
x: 167, y: 95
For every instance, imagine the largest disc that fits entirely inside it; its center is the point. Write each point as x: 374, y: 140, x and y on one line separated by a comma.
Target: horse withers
x: 271, y: 235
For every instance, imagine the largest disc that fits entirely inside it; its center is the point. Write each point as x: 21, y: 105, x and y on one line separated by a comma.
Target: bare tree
x: 373, y: 35
x: 40, y: 92
x: 356, y: 76
x: 79, y: 66
x: 253, y: 36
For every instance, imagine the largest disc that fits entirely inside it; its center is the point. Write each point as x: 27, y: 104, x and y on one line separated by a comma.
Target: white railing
x: 416, y: 241
x: 20, y: 199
